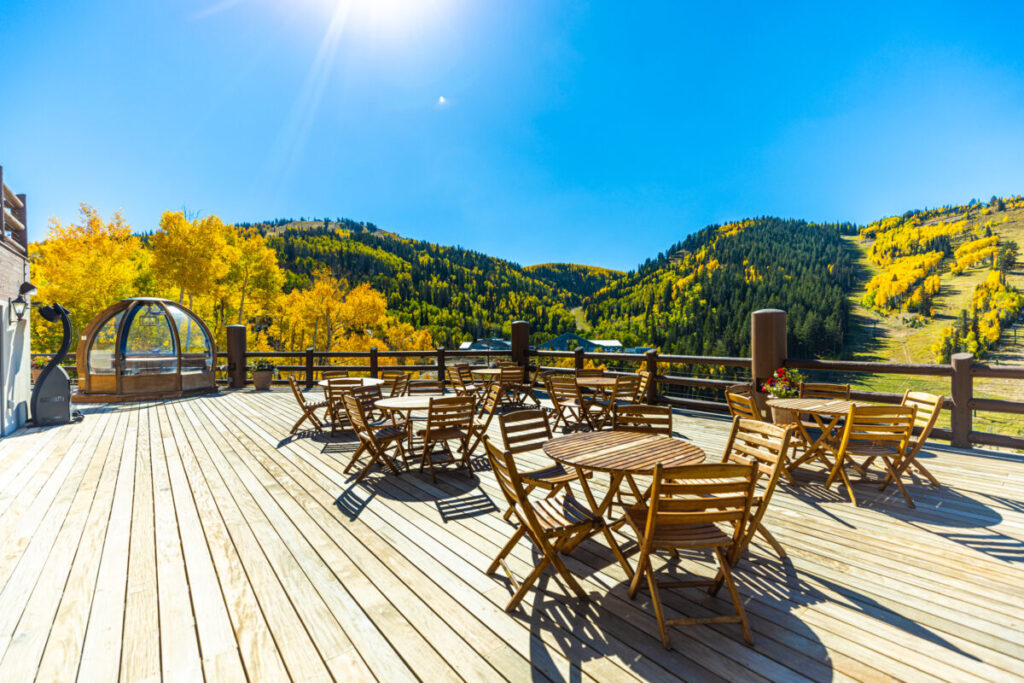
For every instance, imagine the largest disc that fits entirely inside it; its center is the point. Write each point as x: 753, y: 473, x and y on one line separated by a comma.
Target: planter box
x: 783, y: 416
x: 261, y: 379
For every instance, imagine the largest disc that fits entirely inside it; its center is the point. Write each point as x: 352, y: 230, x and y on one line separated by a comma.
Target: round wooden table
x: 487, y: 373
x: 367, y: 381
x: 622, y: 455
x: 407, y: 403
x: 596, y: 382
x: 827, y: 413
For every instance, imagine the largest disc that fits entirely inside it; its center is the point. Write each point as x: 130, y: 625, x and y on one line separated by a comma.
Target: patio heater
x: 51, y: 396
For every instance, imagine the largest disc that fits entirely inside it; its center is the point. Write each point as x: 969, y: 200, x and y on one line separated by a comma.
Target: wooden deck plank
x: 279, y: 566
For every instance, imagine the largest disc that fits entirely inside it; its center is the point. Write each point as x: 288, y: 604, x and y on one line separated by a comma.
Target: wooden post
x: 651, y: 358
x: 521, y: 342
x: 578, y: 358
x: 22, y: 215
x: 373, y: 361
x: 962, y: 395
x: 309, y: 367
x: 236, y: 356
x: 440, y: 364
x: 768, y: 349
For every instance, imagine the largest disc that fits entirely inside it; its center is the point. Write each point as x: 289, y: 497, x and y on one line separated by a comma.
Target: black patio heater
x: 51, y: 396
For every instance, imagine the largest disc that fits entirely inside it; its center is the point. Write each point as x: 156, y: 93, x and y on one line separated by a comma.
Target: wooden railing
x: 678, y: 379
x: 13, y: 218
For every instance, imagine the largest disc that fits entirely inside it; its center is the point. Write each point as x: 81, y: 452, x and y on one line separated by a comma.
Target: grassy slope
x: 872, y: 338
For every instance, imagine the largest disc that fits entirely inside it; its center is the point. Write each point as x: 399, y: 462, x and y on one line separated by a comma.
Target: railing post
x: 578, y: 357
x: 373, y: 361
x: 309, y: 367
x: 440, y: 364
x: 651, y: 360
x: 236, y: 356
x: 768, y: 349
x: 521, y: 342
x: 22, y: 215
x: 962, y: 395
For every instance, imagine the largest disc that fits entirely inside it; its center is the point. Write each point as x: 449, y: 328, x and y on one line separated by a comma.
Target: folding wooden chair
x: 527, y: 387
x: 526, y: 431
x: 764, y: 445
x: 389, y: 377
x: 622, y: 394
x: 490, y: 408
x: 399, y: 386
x: 840, y: 392
x: 929, y: 406
x: 510, y: 379
x: 571, y: 408
x: 641, y: 389
x: 374, y: 440
x: 448, y: 419
x: 308, y: 409
x: 642, y: 418
x: 551, y: 524
x: 335, y: 391
x: 462, y: 381
x: 368, y: 397
x: 686, y: 506
x: 740, y: 399
x: 871, y: 432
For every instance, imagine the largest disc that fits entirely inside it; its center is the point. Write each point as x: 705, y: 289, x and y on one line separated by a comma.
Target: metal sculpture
x: 51, y: 396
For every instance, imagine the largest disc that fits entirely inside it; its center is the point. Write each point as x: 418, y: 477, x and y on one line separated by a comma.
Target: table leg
x: 600, y: 510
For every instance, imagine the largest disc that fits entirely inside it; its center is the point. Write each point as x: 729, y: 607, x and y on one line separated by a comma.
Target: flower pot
x: 261, y: 379
x: 783, y: 416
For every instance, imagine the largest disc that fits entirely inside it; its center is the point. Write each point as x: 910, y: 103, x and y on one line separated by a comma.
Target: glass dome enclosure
x: 144, y: 348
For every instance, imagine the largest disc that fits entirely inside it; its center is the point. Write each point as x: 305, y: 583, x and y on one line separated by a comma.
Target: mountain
x: 456, y: 293
x: 577, y: 281
x: 696, y: 297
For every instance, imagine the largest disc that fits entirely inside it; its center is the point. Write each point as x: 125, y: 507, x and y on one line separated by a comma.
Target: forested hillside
x: 576, y: 281
x: 454, y: 293
x: 696, y: 298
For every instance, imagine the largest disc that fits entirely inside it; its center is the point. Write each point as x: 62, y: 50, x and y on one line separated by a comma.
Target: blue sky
x: 588, y: 132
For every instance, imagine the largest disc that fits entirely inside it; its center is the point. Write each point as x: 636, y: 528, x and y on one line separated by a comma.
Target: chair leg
x: 896, y: 480
x: 295, y: 427
x: 525, y: 586
x: 737, y: 603
x: 355, y: 457
x: 563, y: 571
x: 520, y: 532
x: 772, y: 541
x: 643, y: 567
x: 659, y: 612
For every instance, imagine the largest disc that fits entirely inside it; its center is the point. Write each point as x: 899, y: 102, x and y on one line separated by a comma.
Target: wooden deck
x: 192, y: 539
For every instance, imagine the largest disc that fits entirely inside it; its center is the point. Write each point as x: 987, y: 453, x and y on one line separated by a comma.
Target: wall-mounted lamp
x: 20, y: 304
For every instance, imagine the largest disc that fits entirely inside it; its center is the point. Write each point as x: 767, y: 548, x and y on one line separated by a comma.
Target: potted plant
x: 784, y: 383
x: 262, y: 374
x: 38, y: 363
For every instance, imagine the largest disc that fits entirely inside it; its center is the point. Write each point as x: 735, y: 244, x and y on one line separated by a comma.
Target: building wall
x: 15, y: 351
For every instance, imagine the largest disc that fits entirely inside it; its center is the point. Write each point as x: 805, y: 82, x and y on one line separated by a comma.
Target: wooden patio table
x: 406, y: 405
x: 596, y: 382
x: 622, y: 455
x: 827, y: 413
x: 367, y: 381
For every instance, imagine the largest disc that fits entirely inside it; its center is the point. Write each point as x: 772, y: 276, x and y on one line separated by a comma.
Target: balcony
x: 194, y: 538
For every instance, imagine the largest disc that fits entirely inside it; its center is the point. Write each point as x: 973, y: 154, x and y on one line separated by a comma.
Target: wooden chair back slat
x: 642, y: 418
x: 644, y: 378
x: 524, y: 430
x: 590, y: 372
x: 626, y: 387
x: 741, y: 402
x: 327, y: 374
x: 400, y: 385
x: 701, y: 494
x: 929, y: 406
x: 425, y: 386
x: 452, y: 411
x: 824, y: 390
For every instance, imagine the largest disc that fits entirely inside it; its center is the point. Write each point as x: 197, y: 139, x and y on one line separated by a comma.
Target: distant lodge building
x: 563, y: 342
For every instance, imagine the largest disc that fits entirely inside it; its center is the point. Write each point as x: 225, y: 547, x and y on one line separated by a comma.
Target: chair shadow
x: 465, y: 506
x: 351, y: 503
